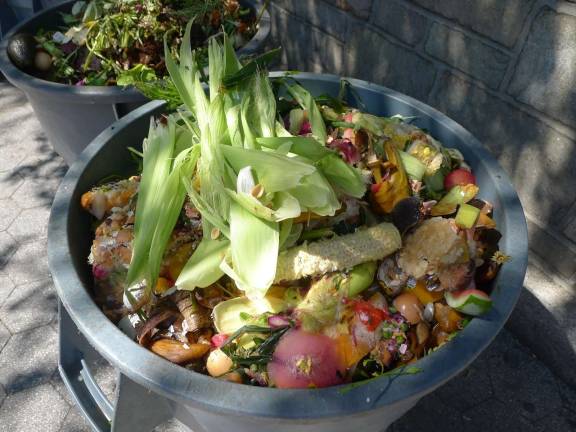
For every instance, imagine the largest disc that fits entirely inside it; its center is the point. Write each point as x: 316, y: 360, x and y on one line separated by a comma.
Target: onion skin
x: 409, y: 306
x: 304, y: 360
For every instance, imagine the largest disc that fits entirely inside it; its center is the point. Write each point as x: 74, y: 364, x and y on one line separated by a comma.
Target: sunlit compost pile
x: 276, y: 239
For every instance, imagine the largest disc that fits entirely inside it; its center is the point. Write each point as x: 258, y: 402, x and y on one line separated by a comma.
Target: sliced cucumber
x: 467, y: 216
x: 456, y: 196
x: 414, y: 168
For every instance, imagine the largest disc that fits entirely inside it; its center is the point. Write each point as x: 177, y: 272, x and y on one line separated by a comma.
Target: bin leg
x: 137, y: 408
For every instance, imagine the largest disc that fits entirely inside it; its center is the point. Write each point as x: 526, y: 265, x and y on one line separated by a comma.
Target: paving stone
x: 11, y: 98
x: 494, y: 415
x: 501, y: 21
x: 29, y: 306
x: 559, y: 252
x: 296, y: 53
x: 9, y: 210
x: 30, y: 224
x: 532, y: 398
x: 8, y: 248
x: 10, y: 181
x: 430, y: 411
x: 36, y: 193
x: 539, y: 160
x: 36, y: 409
x: 568, y: 396
x: 331, y: 20
x: 397, y: 68
x: 9, y: 159
x: 570, y: 230
x: 172, y: 426
x: 476, y: 378
x: 544, y: 321
x: 546, y: 72
x: 556, y: 423
x: 29, y: 263
x: 29, y: 359
x: 467, y: 54
x: 18, y: 142
x: 6, y: 287
x: 4, y: 335
x: 396, y: 19
x: 75, y: 422
x: 359, y: 8
x: 41, y: 166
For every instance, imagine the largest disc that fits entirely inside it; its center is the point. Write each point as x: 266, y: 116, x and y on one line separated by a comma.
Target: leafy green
x: 306, y: 101
x: 254, y: 245
x: 158, y: 151
x: 342, y: 175
x: 203, y: 267
x: 247, y: 71
x: 139, y: 73
x: 274, y: 171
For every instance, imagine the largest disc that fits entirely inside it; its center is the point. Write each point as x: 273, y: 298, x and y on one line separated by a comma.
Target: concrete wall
x: 504, y: 69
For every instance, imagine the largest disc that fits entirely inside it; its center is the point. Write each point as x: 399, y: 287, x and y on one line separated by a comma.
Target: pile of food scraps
x: 121, y: 42
x: 277, y: 239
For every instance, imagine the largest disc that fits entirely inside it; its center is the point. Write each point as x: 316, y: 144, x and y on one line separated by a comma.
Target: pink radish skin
x: 303, y: 360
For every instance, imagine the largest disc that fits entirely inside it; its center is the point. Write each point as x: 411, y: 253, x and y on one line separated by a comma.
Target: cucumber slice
x: 471, y: 302
x: 414, y: 168
x: 228, y: 314
x: 456, y: 196
x: 467, y: 216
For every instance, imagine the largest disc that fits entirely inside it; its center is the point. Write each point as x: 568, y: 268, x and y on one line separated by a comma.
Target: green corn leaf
x: 251, y: 204
x: 231, y: 63
x: 249, y: 139
x: 275, y: 172
x: 287, y: 240
x: 158, y: 151
x: 302, y: 146
x: 306, y: 101
x: 182, y: 75
x: 254, y: 245
x: 203, y: 267
x: 316, y: 195
x: 209, y: 215
x: 342, y: 175
x: 216, y: 66
x: 264, y: 114
x: 286, y: 205
x: 250, y: 68
x: 174, y: 194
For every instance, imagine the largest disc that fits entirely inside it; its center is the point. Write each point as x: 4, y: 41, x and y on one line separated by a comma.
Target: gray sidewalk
x: 506, y: 389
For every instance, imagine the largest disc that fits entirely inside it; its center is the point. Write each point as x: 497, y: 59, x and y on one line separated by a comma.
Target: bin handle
x: 77, y: 377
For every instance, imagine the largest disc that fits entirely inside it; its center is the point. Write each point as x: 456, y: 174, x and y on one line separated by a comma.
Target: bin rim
x: 98, y: 94
x: 187, y: 387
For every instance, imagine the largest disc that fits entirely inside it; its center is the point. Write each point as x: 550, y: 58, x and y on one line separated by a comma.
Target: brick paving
x: 506, y: 389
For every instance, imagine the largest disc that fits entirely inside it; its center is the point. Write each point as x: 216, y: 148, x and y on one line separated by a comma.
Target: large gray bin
x: 72, y: 116
x: 151, y: 390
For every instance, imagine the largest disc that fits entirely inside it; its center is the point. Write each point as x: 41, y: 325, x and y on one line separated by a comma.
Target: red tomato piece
x: 369, y: 315
x: 460, y: 177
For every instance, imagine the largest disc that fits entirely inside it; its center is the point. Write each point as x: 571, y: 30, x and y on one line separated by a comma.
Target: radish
x: 460, y: 177
x: 471, y: 301
x: 303, y: 360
